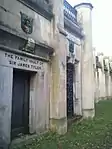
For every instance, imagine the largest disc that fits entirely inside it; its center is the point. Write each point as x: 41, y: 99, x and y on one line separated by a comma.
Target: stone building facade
x: 46, y: 66
x: 79, y: 33
x: 102, y: 76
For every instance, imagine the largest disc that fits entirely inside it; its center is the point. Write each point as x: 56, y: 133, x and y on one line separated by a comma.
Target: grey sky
x: 102, y: 24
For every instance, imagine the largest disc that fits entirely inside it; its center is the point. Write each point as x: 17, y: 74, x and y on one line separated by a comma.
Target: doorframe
x: 30, y: 73
x: 73, y: 91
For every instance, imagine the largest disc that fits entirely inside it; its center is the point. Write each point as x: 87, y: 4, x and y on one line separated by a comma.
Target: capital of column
x: 84, y: 4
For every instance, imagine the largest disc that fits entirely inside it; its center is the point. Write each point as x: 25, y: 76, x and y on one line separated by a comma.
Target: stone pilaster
x: 77, y: 81
x: 107, y: 79
x: 6, y: 83
x: 39, y: 101
x: 58, y: 113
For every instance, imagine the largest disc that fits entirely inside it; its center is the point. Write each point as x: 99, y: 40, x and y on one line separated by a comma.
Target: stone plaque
x: 21, y: 62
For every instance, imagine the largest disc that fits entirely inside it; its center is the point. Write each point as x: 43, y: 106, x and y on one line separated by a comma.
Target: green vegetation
x: 87, y: 134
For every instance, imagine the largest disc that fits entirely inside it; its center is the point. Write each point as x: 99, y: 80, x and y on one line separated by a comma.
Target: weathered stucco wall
x: 48, y: 87
x: 44, y: 91
x: 58, y: 114
x: 6, y: 75
x: 10, y: 21
x: 10, y: 17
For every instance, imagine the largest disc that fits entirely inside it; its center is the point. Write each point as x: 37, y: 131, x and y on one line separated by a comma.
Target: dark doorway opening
x: 20, y: 103
x: 70, y: 72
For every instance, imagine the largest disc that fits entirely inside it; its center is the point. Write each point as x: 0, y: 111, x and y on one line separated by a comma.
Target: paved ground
x: 87, y: 134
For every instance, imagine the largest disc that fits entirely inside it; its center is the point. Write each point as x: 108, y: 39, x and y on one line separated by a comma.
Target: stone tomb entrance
x: 20, y: 103
x: 24, y: 95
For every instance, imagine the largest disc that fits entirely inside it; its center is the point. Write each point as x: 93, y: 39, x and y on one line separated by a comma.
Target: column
x: 85, y: 18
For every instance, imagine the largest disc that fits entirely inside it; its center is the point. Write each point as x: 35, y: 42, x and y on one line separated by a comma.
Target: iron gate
x: 70, y: 69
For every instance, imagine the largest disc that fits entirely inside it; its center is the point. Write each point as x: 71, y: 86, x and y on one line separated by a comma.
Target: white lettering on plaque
x: 21, y: 62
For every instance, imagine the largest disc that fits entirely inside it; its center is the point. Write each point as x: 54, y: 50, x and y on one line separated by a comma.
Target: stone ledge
x: 13, y: 39
x: 5, y: 48
x: 40, y: 7
x: 73, y: 28
x: 61, y: 30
